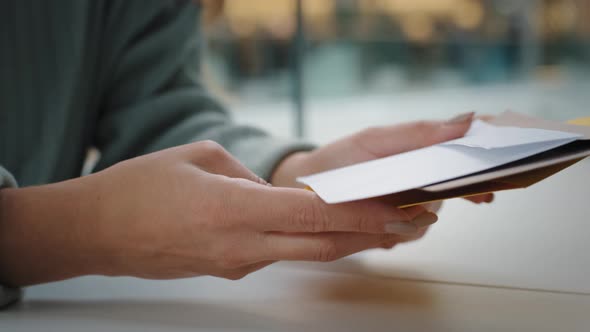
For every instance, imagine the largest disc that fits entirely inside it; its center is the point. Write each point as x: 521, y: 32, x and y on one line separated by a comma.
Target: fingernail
x: 461, y: 118
x: 401, y: 227
x: 425, y: 219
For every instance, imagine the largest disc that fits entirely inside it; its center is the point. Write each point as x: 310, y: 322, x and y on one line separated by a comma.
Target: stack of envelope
x: 511, y: 151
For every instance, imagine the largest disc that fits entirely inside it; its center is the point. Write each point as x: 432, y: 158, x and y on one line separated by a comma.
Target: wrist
x: 46, y: 234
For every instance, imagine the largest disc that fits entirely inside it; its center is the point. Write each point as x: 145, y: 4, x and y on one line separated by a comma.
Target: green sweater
x: 121, y: 76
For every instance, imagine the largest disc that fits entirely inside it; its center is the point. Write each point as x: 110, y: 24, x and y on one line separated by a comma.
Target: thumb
x: 390, y: 140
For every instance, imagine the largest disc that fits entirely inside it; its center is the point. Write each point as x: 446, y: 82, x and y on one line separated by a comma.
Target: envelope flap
x: 487, y: 136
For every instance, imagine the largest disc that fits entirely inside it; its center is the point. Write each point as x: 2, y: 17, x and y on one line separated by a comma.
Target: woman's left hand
x: 373, y: 143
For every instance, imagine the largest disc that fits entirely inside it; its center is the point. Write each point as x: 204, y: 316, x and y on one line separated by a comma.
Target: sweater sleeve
x: 154, y: 98
x: 8, y: 295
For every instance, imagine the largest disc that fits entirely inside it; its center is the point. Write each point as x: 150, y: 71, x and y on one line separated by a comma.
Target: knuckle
x: 363, y: 222
x: 326, y: 252
x: 360, y: 224
x: 302, y: 219
x: 368, y: 216
x: 211, y: 149
x: 310, y: 217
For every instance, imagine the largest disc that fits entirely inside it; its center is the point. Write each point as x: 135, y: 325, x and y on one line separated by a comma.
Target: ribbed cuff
x: 262, y: 154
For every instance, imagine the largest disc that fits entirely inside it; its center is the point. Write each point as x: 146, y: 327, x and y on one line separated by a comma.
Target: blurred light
x: 367, y: 6
x: 561, y: 17
x: 550, y: 73
x: 318, y: 9
x: 241, y: 27
x: 281, y: 28
x: 418, y: 27
x: 246, y: 17
x: 432, y: 7
x: 275, y: 17
x: 468, y: 14
x: 497, y: 28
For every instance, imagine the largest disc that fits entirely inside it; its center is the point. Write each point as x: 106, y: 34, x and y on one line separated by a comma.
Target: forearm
x: 46, y: 234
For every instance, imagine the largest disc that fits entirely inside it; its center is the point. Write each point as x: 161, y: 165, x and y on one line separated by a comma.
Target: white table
x: 289, y: 297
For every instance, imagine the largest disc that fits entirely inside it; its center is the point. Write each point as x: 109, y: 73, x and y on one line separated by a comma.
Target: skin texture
x: 195, y: 210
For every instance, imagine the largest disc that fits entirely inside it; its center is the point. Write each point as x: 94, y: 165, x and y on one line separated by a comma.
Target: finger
x: 404, y: 239
x: 257, y: 266
x: 421, y: 215
x: 433, y: 206
x: 213, y: 158
x: 321, y: 247
x: 484, y: 198
x: 240, y: 273
x: 389, y: 246
x: 485, y: 117
x: 389, y: 140
x: 420, y: 234
x: 424, y: 220
x: 296, y: 210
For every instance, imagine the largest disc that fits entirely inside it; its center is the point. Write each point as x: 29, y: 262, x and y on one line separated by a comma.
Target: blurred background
x: 325, y: 68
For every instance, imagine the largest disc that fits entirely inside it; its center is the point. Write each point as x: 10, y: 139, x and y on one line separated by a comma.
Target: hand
x: 373, y: 143
x: 186, y: 211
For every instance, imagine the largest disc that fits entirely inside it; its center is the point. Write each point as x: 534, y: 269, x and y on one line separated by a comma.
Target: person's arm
x: 8, y: 295
x: 185, y: 211
x: 154, y: 97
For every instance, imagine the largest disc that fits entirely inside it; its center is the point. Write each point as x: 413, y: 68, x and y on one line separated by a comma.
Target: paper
x: 483, y: 135
x: 485, y: 146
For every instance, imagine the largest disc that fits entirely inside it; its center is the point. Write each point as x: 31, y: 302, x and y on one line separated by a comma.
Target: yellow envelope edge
x: 581, y: 121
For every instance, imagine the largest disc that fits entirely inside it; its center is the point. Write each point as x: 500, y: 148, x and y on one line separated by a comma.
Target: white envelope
x: 484, y: 147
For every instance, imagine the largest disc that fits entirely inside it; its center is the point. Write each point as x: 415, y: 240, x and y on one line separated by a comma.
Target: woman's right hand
x: 185, y: 211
